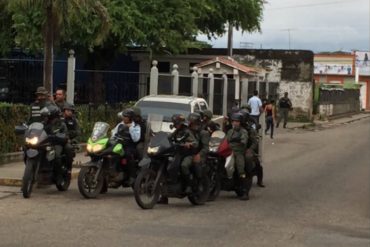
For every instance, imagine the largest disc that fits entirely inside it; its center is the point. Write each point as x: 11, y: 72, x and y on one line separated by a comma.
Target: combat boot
x: 244, y: 185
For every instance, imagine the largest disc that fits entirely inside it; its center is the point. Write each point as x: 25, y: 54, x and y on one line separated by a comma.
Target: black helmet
x: 194, y: 118
x: 237, y: 117
x: 128, y: 113
x: 208, y: 114
x: 68, y: 106
x: 137, y: 111
x: 245, y: 114
x: 178, y: 119
x: 50, y: 111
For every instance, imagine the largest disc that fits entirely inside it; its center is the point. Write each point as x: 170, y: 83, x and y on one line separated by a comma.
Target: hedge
x: 15, y: 114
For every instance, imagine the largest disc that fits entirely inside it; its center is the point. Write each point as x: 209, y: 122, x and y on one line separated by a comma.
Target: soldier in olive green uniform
x: 73, y: 132
x: 238, y: 139
x: 190, y: 143
x: 42, y: 100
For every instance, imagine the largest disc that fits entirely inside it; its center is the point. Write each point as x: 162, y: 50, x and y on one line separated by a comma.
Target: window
x: 164, y: 67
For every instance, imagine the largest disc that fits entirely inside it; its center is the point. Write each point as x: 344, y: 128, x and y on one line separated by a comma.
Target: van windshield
x: 167, y: 109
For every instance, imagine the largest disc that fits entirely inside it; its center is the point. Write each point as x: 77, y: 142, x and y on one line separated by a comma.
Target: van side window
x: 196, y: 107
x: 203, y: 106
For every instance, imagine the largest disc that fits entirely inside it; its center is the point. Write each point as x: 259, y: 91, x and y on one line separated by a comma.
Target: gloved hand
x: 235, y: 139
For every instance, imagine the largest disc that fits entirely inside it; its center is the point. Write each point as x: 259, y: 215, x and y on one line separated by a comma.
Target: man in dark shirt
x: 284, y: 106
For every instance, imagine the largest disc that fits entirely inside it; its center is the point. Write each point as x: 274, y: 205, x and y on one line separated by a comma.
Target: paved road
x: 317, y: 194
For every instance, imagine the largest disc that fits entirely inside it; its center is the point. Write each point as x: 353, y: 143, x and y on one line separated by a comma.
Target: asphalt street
x: 317, y: 194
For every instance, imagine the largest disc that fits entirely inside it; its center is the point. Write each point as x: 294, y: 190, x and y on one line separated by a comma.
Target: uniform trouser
x: 249, y: 165
x: 240, y: 163
x: 70, y: 153
x: 186, y: 164
x: 58, y: 156
x: 283, y: 113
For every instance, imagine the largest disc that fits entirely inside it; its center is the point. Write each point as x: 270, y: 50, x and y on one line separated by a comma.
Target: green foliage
x: 15, y: 114
x: 157, y: 25
x: 10, y: 116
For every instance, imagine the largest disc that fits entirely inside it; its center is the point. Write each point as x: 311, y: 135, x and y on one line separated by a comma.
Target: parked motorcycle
x: 40, y: 159
x: 161, y: 175
x: 107, y: 156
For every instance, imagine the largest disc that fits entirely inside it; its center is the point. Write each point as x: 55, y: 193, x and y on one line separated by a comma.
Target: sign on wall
x: 332, y: 69
x: 363, y: 62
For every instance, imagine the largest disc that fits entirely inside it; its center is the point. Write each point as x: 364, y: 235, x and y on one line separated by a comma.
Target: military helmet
x: 68, y: 106
x: 136, y: 110
x: 237, y: 117
x: 50, y: 111
x: 208, y: 114
x: 178, y: 119
x: 194, y: 118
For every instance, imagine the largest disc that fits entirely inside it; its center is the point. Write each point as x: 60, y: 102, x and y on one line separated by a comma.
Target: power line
x: 312, y: 5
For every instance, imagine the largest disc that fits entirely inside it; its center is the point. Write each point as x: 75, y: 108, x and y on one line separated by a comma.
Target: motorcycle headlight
x: 33, y: 141
x: 94, y: 148
x: 153, y: 150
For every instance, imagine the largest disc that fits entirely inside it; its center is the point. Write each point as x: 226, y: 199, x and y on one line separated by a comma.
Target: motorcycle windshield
x: 216, y: 138
x: 100, y: 130
x: 155, y: 122
x: 160, y: 140
x: 36, y: 126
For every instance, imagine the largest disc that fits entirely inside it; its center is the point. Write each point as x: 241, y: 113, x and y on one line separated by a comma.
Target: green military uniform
x: 36, y: 107
x: 238, y: 139
x: 188, y: 154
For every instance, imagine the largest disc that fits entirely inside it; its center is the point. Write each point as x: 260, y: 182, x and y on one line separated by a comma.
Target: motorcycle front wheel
x: 63, y: 183
x: 146, y: 195
x: 88, y: 186
x: 200, y: 196
x: 28, y: 177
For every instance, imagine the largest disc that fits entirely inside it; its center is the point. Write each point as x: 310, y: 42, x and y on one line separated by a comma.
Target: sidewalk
x: 11, y: 174
x: 329, y: 123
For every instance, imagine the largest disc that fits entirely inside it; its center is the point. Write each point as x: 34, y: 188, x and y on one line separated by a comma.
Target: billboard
x: 332, y: 68
x: 363, y: 62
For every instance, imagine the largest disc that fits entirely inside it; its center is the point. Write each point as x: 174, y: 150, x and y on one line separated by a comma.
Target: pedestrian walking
x: 255, y: 105
x: 285, y: 105
x: 270, y: 117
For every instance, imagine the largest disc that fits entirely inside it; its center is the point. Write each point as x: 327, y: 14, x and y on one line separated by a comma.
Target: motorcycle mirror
x: 20, y: 129
x: 171, y: 126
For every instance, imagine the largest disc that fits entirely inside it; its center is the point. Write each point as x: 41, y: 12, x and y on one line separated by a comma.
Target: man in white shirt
x: 255, y: 104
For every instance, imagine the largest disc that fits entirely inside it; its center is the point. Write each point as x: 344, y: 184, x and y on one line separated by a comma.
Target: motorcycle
x: 161, y: 175
x: 222, y: 172
x: 100, y: 173
x: 39, y: 158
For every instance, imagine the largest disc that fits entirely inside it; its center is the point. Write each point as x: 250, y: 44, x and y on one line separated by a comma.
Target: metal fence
x: 98, y: 86
x: 20, y: 77
x: 342, y: 100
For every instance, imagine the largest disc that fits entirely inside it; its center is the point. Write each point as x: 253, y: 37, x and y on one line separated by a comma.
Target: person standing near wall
x: 255, y: 105
x: 285, y: 105
x: 270, y: 117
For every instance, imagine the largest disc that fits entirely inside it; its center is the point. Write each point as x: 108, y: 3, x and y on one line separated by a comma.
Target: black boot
x: 244, y: 185
x: 189, y: 184
x: 260, y: 176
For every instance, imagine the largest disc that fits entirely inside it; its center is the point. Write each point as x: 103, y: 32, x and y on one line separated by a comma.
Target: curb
x: 17, y: 182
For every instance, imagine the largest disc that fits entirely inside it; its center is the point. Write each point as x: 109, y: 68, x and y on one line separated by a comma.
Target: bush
x: 10, y: 116
x: 15, y: 114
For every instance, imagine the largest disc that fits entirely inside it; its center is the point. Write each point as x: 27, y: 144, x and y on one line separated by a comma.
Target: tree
x: 44, y: 24
x: 108, y: 26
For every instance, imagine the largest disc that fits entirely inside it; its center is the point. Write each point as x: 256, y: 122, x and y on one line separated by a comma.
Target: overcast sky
x: 318, y: 25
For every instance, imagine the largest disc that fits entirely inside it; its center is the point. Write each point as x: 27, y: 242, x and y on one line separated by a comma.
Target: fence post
x: 200, y: 82
x: 154, y: 79
x: 194, y: 77
x: 237, y: 86
x: 224, y: 100
x: 175, y: 80
x: 71, y: 66
x: 211, y: 90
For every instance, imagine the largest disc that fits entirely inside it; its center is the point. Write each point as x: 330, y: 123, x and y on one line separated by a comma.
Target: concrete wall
x: 291, y: 69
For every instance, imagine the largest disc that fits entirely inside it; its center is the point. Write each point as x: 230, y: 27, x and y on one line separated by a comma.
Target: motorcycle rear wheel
x: 28, y: 177
x: 201, y: 196
x: 87, y: 185
x: 146, y: 195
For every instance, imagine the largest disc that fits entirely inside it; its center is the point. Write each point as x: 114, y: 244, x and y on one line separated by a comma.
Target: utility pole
x: 288, y: 30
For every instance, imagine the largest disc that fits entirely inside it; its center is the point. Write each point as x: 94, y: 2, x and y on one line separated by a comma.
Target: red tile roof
x: 229, y: 62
